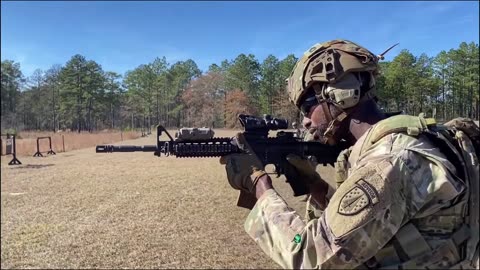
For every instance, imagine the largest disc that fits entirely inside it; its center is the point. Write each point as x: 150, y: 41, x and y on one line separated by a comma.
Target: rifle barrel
x: 125, y: 148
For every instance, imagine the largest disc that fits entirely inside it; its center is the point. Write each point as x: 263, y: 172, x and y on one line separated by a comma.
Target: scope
x: 253, y: 123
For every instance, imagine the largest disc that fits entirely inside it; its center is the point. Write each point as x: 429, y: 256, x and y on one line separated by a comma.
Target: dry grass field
x: 80, y: 209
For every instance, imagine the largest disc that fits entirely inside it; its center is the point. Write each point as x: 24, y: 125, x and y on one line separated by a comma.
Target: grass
x: 80, y: 209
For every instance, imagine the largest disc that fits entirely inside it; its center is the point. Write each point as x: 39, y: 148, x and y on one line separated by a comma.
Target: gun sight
x: 252, y: 123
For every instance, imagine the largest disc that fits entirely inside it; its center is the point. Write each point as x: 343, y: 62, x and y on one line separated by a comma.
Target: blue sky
x: 122, y: 35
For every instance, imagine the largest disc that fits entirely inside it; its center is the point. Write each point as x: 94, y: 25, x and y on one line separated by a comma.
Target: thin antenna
x: 381, y: 56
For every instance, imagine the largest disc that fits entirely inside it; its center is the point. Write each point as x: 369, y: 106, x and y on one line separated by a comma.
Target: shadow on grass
x: 33, y: 166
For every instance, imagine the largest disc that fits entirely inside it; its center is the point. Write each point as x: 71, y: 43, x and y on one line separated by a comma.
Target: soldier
x: 406, y: 197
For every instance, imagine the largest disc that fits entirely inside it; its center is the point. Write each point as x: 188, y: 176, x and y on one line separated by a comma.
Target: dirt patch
x: 126, y: 210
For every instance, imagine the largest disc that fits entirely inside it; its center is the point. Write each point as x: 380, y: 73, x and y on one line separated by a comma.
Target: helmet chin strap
x: 334, y: 123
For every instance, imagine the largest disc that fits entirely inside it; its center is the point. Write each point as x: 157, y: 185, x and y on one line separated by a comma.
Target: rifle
x: 270, y: 150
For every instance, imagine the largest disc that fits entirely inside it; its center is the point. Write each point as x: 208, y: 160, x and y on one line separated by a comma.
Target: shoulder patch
x: 358, y: 198
x: 374, y: 209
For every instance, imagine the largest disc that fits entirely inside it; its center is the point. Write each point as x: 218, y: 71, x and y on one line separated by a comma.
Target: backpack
x: 459, y: 140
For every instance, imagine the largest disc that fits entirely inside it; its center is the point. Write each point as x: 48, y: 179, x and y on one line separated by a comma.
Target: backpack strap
x: 411, y: 125
x: 472, y: 170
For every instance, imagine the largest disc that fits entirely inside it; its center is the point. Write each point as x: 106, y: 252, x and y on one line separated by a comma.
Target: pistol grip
x: 293, y: 178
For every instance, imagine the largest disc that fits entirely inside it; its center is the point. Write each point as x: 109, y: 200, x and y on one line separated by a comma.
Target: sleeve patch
x: 363, y: 198
x: 358, y: 198
x: 370, y: 190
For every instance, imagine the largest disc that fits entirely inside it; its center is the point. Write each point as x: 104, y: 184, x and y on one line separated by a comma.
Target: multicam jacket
x: 399, y: 204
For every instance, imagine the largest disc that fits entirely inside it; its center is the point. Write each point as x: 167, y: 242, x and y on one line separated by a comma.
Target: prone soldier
x: 194, y: 133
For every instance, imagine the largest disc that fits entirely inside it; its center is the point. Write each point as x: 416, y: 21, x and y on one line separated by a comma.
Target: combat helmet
x: 328, y: 63
x: 334, y: 71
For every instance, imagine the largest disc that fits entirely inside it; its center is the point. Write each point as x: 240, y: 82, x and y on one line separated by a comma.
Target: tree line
x: 81, y: 96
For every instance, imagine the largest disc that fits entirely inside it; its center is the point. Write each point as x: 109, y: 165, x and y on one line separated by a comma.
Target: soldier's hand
x: 317, y: 186
x: 243, y: 170
x: 305, y: 168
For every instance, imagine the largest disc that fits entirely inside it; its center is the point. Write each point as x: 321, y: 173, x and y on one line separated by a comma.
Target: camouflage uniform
x: 399, y: 204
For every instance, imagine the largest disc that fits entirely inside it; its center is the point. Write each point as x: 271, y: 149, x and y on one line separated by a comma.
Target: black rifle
x: 270, y: 150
